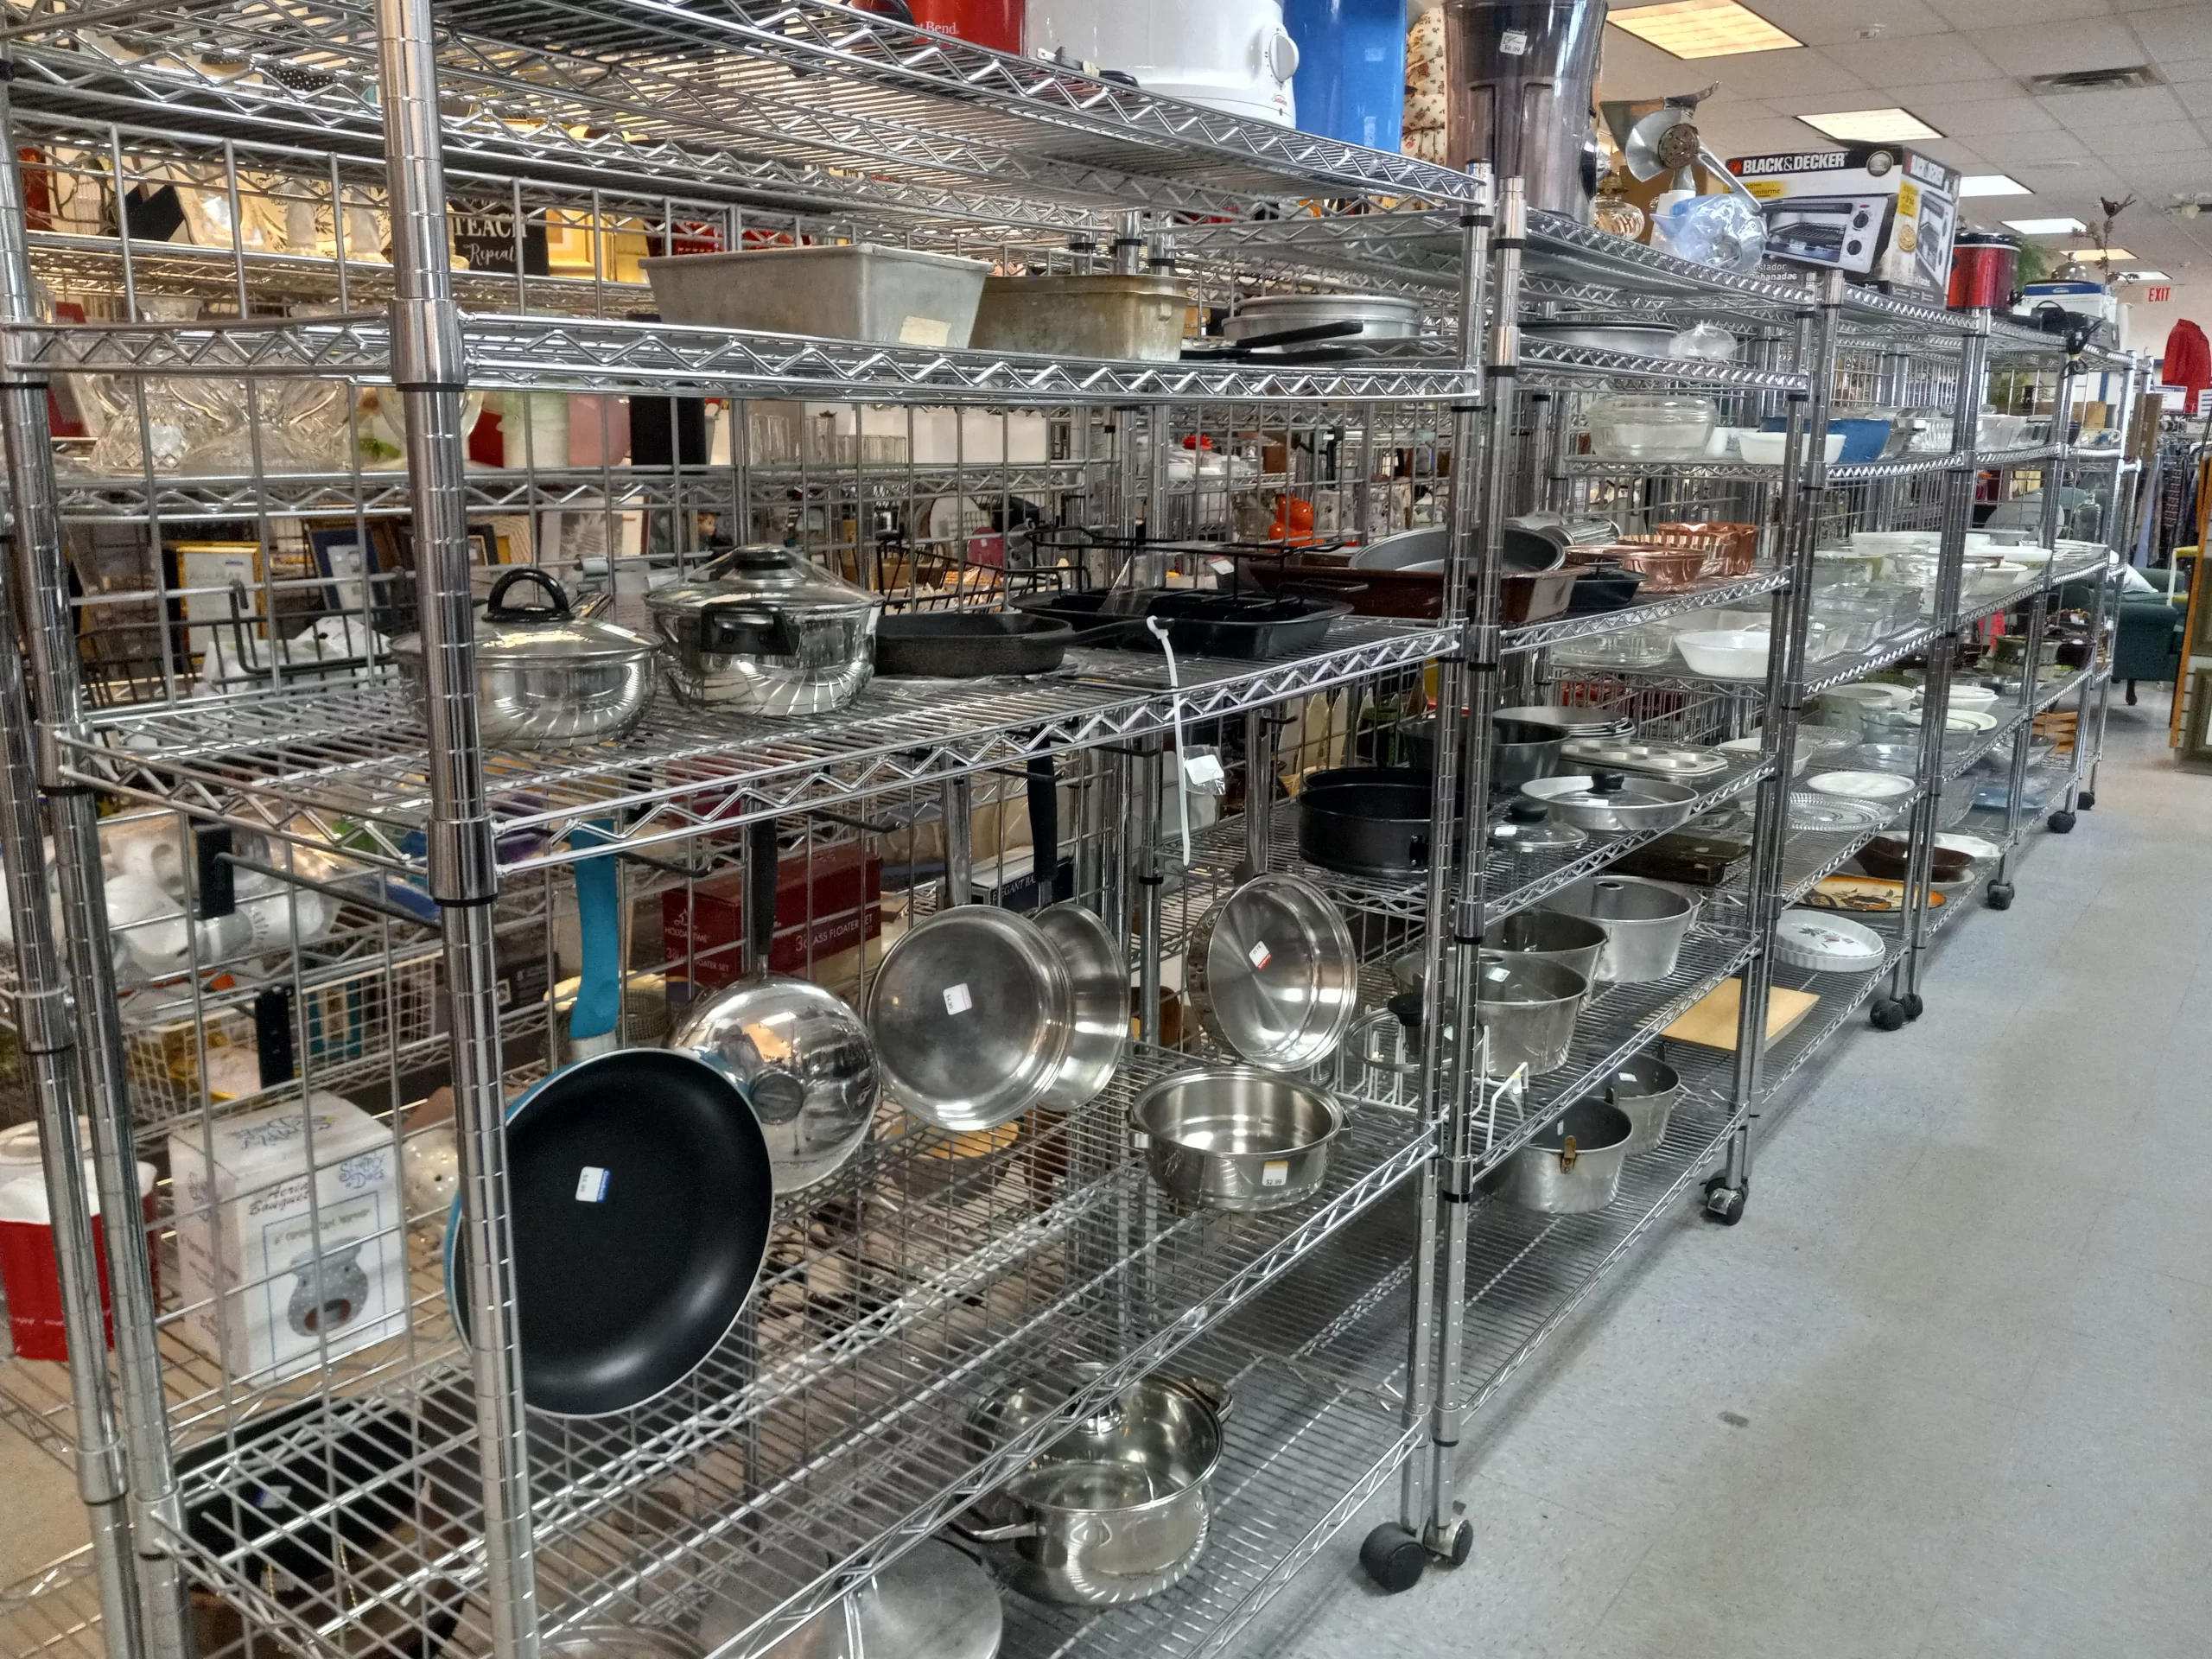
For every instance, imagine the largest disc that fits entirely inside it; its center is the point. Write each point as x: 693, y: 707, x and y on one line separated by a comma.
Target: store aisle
x: 1947, y: 1392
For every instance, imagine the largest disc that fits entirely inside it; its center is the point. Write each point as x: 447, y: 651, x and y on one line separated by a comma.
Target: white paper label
x: 1203, y: 774
x: 956, y: 999
x: 925, y: 331
x: 1275, y: 1172
x: 591, y: 1185
x: 1259, y: 956
x: 1514, y: 42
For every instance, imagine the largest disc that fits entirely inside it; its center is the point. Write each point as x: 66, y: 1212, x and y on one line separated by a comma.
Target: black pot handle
x: 1406, y: 1008
x: 496, y: 609
x: 1608, y: 783
x: 1417, y: 850
x: 735, y: 628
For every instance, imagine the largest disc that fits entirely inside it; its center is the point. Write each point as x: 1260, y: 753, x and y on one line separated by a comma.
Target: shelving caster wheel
x: 1451, y: 1544
x: 2085, y: 799
x: 1914, y: 1007
x: 2061, y: 823
x: 1887, y: 1014
x: 1394, y: 1558
x: 1724, y: 1203
x: 2001, y: 895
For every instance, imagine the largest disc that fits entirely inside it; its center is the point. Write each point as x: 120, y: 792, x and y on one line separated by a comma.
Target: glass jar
x: 1650, y: 426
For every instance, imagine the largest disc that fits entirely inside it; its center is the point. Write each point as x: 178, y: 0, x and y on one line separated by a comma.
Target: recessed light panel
x: 1992, y: 184
x: 2046, y: 226
x: 1890, y: 126
x: 2144, y: 276
x: 1704, y: 29
x: 2098, y: 255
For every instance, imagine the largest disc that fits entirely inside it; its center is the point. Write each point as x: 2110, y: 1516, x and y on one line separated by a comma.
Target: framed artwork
x: 215, y: 584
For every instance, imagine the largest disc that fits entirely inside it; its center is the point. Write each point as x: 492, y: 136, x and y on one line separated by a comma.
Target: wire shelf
x: 1535, y: 636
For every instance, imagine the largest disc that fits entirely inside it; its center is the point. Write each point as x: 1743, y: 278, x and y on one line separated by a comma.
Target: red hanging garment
x: 2188, y: 362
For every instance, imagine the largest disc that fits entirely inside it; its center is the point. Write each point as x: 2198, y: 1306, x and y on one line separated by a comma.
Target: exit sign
x: 2159, y: 296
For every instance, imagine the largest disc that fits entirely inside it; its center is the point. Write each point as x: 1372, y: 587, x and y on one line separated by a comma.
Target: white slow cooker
x: 1232, y: 55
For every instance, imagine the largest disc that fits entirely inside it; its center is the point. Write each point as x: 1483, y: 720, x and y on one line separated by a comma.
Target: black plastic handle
x: 759, y: 917
x: 1405, y: 1009
x: 1417, y: 850
x: 1608, y: 783
x: 1054, y: 887
x: 735, y: 628
x: 496, y: 609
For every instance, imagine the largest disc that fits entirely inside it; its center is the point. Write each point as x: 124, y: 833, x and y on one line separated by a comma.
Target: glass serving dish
x: 1650, y: 426
x: 1646, y: 646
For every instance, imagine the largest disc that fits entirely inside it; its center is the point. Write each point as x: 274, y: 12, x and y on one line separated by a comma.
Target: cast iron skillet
x: 641, y: 1196
x: 969, y: 644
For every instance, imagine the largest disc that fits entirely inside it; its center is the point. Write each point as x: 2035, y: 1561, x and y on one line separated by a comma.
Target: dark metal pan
x: 1367, y: 820
x: 969, y: 644
x: 641, y: 1193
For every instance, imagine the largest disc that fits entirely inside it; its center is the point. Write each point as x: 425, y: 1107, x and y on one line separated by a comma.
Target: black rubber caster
x: 1886, y: 1014
x: 1724, y: 1203
x: 2001, y: 895
x: 1914, y: 1007
x: 2061, y: 824
x: 1394, y: 1558
x: 2085, y: 799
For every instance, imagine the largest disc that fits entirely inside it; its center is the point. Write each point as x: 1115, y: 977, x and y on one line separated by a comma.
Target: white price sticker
x: 1275, y: 1172
x: 1203, y: 774
x: 956, y: 999
x: 1514, y: 42
x: 924, y: 331
x: 591, y: 1185
x: 1259, y: 956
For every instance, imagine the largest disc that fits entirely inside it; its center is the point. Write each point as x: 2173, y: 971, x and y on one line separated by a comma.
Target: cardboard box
x: 1877, y: 212
x: 249, y: 1246
x: 824, y: 905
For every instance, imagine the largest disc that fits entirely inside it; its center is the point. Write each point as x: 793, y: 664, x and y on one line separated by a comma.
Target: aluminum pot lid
x: 1612, y: 789
x: 520, y: 626
x: 934, y: 1602
x: 781, y: 576
x: 973, y: 1014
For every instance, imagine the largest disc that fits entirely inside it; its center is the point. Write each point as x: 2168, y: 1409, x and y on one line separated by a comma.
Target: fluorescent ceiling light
x: 1704, y: 29
x: 1992, y: 184
x: 1888, y: 126
x: 2045, y: 226
x: 2098, y: 255
x: 2144, y: 276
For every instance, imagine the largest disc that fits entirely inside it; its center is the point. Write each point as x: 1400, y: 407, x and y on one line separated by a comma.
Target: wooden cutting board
x: 1711, y: 1022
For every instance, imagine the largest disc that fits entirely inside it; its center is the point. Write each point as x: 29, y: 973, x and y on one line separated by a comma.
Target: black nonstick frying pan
x: 641, y: 1196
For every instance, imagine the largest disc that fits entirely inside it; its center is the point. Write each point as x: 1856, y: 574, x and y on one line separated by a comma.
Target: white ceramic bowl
x: 1721, y: 444
x: 1726, y: 653
x: 1861, y: 785
x: 1765, y: 449
x: 1971, y: 699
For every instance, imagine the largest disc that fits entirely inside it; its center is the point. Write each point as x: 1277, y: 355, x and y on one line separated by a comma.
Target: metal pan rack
x: 825, y: 1436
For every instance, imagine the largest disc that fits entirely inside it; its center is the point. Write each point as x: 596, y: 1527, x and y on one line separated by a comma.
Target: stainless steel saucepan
x: 1236, y: 1137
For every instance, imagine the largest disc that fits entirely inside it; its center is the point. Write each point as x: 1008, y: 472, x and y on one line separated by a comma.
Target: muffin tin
x: 1654, y: 760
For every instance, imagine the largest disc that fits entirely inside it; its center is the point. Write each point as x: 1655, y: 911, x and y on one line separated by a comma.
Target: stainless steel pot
x: 1550, y: 935
x: 1646, y: 1089
x: 1574, y: 1165
x: 1116, y: 1510
x: 1607, y: 800
x: 769, y: 633
x: 1274, y: 973
x: 1098, y: 982
x: 1091, y: 314
x: 974, y: 1017
x: 547, y: 678
x: 1236, y: 1137
x: 1528, y: 1007
x: 1645, y: 924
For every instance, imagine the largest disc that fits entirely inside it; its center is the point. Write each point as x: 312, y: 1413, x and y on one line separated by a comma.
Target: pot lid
x: 934, y: 1602
x: 1529, y: 829
x: 783, y: 576
x: 544, y: 627
x: 1614, y: 789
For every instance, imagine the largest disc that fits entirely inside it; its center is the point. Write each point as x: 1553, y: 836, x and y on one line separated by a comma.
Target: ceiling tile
x: 2182, y: 71
x: 1914, y: 58
x: 1982, y: 118
x: 2196, y: 96
x: 2093, y: 114
x: 2047, y: 48
x: 2005, y: 148
x: 2174, y: 31
x: 1824, y: 22
x: 2127, y: 147
x: 1976, y: 14
x: 1771, y: 75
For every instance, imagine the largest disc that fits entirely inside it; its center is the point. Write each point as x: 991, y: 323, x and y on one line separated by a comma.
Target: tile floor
x: 1945, y: 1394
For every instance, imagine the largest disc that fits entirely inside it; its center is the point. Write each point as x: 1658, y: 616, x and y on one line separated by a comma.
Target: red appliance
x: 28, y: 1277
x: 996, y: 24
x: 1984, y: 267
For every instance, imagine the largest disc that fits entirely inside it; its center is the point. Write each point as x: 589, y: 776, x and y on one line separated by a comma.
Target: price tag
x: 1275, y: 1172
x: 1514, y: 42
x: 1202, y: 771
x: 1259, y: 956
x: 591, y: 1185
x: 956, y: 999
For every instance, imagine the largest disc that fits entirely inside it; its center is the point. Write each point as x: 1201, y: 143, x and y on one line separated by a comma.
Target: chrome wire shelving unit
x: 316, y: 165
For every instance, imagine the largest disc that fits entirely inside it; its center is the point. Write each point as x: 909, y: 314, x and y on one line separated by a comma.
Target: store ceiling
x: 1960, y: 66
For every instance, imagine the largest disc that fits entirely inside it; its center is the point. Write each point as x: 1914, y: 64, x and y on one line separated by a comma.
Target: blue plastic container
x: 1350, y: 82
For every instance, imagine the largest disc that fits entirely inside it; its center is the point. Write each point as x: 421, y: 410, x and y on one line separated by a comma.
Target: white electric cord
x: 1175, y: 704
